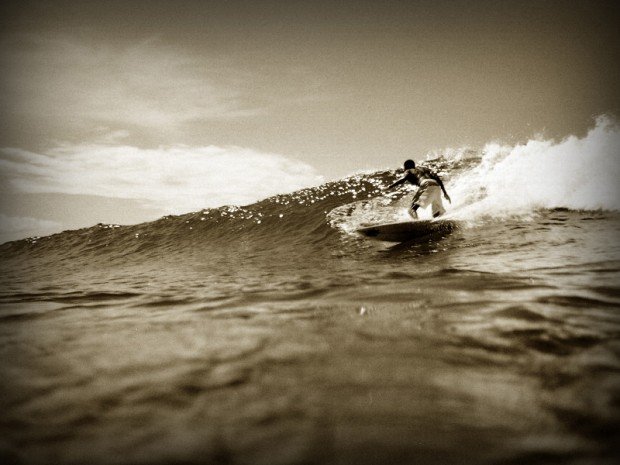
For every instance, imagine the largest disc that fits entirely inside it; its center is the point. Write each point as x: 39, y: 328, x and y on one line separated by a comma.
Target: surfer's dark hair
x: 409, y: 164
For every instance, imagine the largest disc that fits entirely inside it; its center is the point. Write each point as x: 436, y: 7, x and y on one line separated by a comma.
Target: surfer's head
x: 409, y: 164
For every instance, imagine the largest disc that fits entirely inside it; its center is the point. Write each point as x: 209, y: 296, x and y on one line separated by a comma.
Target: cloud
x: 171, y: 179
x: 17, y: 227
x: 146, y: 84
x: 108, y: 136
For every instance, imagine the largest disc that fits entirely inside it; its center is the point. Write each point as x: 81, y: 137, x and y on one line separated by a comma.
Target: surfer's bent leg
x: 415, y: 203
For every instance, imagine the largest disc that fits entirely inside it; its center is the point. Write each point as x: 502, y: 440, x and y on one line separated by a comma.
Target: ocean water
x: 273, y: 334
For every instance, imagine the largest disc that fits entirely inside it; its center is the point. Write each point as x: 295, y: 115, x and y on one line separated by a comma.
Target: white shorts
x: 429, y: 193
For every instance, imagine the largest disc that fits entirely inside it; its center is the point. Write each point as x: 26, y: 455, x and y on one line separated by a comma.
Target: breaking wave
x: 496, y: 182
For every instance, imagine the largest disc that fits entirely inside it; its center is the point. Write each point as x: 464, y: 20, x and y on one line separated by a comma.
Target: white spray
x: 575, y: 173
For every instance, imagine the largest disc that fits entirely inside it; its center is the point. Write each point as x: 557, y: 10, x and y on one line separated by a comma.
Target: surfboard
x: 407, y: 230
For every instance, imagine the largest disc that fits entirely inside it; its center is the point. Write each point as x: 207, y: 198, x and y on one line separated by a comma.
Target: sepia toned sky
x: 123, y: 111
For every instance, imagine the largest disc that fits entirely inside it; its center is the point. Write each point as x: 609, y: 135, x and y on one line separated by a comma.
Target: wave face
x: 496, y: 182
x: 281, y: 221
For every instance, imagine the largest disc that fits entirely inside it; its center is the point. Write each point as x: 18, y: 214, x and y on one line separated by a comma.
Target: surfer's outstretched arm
x: 440, y: 182
x: 397, y: 183
x: 445, y: 194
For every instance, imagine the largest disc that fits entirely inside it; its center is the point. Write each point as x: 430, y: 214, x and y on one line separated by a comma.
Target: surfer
x: 429, y: 192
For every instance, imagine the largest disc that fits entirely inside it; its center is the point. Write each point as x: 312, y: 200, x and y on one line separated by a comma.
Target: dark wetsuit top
x: 418, y: 175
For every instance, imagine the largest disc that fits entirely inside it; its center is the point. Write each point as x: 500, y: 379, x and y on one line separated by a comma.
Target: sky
x: 125, y: 111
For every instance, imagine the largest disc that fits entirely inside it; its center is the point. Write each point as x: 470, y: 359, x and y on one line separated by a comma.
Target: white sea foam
x: 574, y: 173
